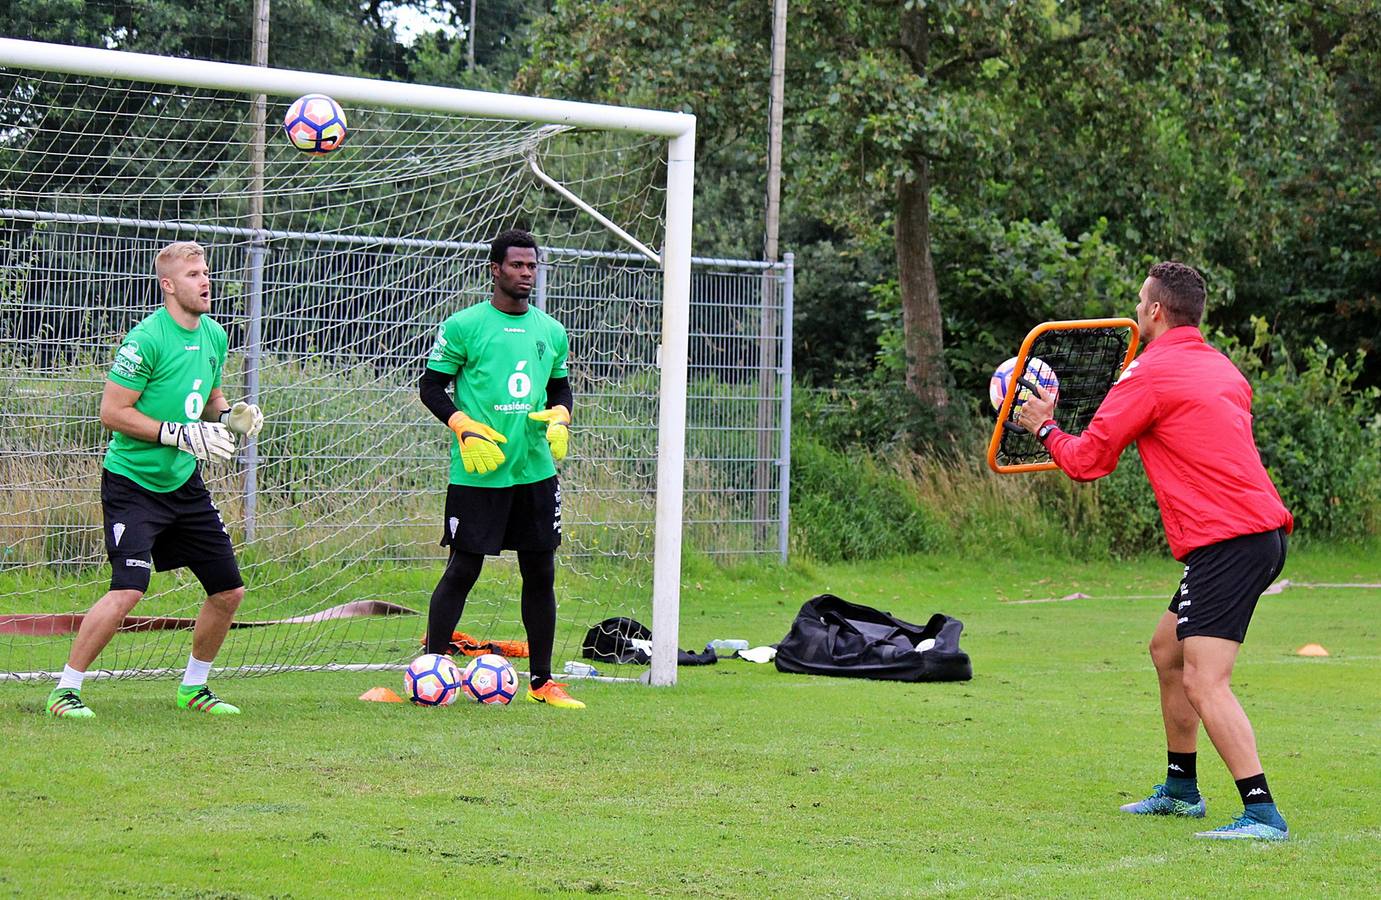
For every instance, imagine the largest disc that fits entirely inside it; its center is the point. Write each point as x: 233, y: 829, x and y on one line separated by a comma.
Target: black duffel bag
x: 835, y: 637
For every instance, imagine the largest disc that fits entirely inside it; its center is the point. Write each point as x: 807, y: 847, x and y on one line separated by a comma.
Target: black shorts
x: 491, y: 520
x: 1222, y: 583
x: 145, y: 529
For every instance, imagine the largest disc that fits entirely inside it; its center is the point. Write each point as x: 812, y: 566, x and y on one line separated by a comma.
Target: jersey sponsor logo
x: 138, y: 564
x: 519, y: 383
x: 439, y: 347
x: 512, y: 407
x: 127, y: 360
x: 117, y: 531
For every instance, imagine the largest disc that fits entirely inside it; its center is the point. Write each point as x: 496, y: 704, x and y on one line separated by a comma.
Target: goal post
x: 437, y: 174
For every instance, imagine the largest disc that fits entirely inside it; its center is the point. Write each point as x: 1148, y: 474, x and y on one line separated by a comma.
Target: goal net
x: 331, y: 276
x: 1086, y: 356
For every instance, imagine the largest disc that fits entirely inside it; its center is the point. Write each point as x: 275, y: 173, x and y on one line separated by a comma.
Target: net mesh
x: 1086, y: 361
x: 330, y: 302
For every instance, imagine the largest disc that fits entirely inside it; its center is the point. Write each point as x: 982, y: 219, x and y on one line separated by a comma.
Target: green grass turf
x: 741, y: 781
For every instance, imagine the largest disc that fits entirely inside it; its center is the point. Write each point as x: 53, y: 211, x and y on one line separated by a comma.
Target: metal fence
x: 330, y: 334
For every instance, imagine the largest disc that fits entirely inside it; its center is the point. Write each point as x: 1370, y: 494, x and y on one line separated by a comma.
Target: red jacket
x: 1190, y: 412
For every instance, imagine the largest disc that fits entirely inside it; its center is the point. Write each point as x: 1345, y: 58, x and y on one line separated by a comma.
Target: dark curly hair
x: 1180, y: 289
x: 514, y: 237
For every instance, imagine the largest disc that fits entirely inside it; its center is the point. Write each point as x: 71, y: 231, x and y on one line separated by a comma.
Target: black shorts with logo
x: 491, y: 520
x: 1222, y: 583
x: 145, y: 529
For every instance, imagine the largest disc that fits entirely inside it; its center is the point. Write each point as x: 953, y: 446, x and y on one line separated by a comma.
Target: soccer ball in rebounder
x: 315, y: 124
x: 432, y: 680
x: 1036, y: 370
x: 489, y: 679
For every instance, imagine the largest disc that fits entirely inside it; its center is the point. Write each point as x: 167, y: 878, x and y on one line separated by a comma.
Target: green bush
x: 1319, y: 436
x: 846, y: 507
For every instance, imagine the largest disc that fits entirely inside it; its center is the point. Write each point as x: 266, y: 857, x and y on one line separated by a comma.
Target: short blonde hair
x: 174, y: 253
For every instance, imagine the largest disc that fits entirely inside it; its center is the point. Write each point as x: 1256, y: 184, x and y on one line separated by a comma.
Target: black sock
x: 538, y: 569
x: 448, y: 600
x: 1254, y: 790
x: 1181, y: 765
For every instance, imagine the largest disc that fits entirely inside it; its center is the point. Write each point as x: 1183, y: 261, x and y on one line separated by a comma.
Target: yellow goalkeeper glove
x: 479, y: 444
x: 558, y: 420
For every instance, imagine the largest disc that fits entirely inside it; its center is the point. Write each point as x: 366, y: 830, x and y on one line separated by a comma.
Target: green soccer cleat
x: 1245, y: 828
x: 199, y: 698
x: 65, y: 703
x: 1161, y: 803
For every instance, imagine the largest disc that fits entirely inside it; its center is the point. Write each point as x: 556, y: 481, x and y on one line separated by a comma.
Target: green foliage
x: 845, y: 506
x: 1319, y: 435
x: 1011, y: 275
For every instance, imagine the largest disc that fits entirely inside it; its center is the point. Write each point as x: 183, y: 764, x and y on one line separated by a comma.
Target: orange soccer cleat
x: 553, y: 693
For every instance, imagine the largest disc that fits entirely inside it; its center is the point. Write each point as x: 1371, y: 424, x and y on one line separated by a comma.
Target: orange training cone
x: 1311, y: 650
x: 381, y: 695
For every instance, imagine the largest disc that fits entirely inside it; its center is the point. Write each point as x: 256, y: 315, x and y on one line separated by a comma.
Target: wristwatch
x: 1044, y: 431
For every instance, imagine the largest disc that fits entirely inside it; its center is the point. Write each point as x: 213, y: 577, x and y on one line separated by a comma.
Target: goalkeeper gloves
x: 245, y: 419
x: 479, y: 444
x: 558, y: 420
x: 204, y: 440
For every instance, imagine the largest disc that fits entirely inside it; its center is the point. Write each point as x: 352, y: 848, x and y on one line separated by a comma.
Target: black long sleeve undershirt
x: 432, y: 389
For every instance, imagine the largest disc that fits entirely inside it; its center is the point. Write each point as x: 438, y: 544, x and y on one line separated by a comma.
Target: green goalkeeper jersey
x: 502, y: 363
x: 174, y: 369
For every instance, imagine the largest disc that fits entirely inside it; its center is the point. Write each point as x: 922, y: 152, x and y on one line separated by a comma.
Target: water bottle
x: 582, y: 669
x: 728, y: 646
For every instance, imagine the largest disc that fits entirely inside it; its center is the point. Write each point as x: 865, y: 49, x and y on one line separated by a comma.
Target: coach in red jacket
x: 1188, y: 409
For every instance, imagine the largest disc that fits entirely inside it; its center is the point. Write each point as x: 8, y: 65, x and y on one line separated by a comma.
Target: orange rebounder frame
x: 1088, y: 356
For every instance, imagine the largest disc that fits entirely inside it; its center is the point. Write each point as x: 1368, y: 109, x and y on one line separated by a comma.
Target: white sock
x: 196, y: 672
x: 71, y: 679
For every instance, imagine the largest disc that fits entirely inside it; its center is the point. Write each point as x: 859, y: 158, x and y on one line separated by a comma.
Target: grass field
x: 741, y: 781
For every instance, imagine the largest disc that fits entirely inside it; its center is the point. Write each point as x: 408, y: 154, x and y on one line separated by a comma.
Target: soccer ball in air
x: 432, y: 680
x: 1036, y: 370
x: 489, y: 679
x: 315, y: 124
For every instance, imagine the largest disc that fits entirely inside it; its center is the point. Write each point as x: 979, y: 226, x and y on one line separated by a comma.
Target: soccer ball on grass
x: 432, y: 680
x: 489, y: 679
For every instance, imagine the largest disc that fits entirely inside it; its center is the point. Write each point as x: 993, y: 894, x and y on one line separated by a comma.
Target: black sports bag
x: 835, y: 637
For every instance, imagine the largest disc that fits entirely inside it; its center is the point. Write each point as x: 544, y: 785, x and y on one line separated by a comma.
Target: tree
x: 1175, y: 128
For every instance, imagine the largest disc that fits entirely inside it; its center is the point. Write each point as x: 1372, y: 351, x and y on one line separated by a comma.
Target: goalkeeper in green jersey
x: 511, y: 415
x: 163, y: 401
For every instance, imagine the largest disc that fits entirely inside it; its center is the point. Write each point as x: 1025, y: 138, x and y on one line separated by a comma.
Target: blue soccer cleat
x: 1161, y: 803
x: 1245, y: 828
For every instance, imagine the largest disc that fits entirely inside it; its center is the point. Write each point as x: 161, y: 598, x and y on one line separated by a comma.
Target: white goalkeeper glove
x: 204, y: 440
x: 245, y: 419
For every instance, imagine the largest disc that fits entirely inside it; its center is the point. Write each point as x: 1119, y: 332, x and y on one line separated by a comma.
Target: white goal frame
x: 675, y: 259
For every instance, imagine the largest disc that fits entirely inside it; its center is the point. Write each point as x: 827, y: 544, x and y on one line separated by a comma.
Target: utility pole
x: 774, y: 141
x: 768, y: 404
x: 470, y: 39
x: 257, y: 251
